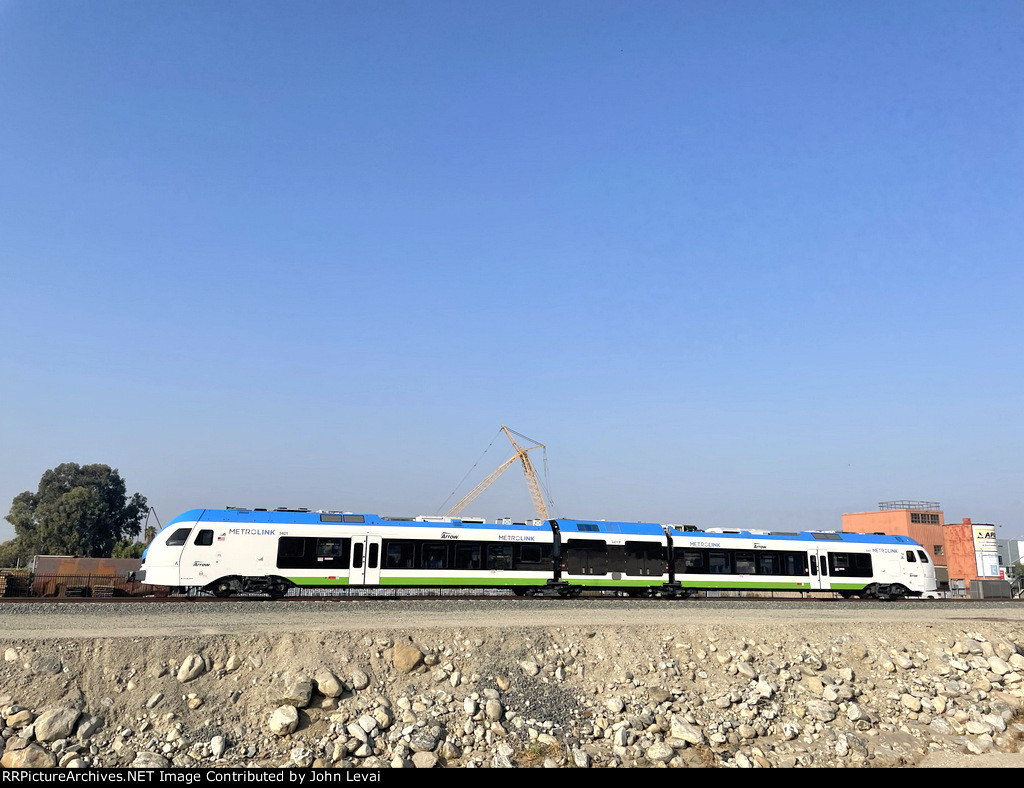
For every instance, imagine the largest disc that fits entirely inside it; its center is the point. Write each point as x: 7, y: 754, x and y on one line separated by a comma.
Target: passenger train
x: 228, y: 552
x: 236, y: 551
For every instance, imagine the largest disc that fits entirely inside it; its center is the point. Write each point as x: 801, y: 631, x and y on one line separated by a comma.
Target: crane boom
x: 528, y: 471
x: 472, y: 494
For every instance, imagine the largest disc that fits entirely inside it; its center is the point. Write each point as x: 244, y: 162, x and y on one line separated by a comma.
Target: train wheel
x: 225, y: 587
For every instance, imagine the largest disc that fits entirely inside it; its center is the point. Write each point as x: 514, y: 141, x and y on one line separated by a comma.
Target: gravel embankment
x: 577, y: 683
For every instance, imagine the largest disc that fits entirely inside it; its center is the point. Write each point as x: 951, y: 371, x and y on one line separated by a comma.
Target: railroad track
x: 468, y: 597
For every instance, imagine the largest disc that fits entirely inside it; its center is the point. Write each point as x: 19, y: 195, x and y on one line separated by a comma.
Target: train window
x: 291, y: 552
x: 718, y: 562
x: 851, y: 564
x: 499, y: 556
x: 434, y: 555
x: 332, y: 553
x: 330, y: 518
x: 399, y: 555
x: 290, y: 547
x: 923, y: 556
x: 691, y: 561
x: 467, y: 556
x: 769, y: 564
x: 357, y: 556
x: 910, y: 557
x: 744, y: 563
x: 204, y: 538
x: 371, y: 560
x: 328, y: 548
x: 353, y: 518
x: 179, y: 537
x: 529, y: 556
x: 794, y: 564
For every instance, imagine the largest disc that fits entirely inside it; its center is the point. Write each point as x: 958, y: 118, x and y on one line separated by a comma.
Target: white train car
x: 865, y: 565
x: 233, y: 551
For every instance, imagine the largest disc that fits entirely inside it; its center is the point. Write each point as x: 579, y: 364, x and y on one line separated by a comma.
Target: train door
x: 915, y: 566
x: 586, y: 557
x: 365, y: 563
x: 200, y: 559
x: 645, y: 558
x: 819, y: 570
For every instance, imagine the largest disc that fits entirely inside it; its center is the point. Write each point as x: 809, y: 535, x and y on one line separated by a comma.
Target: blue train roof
x: 819, y: 537
x: 603, y: 527
x: 301, y: 517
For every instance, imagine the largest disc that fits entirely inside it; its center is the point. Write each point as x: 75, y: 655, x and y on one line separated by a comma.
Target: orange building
x: 972, y: 553
x: 922, y: 521
x: 961, y: 552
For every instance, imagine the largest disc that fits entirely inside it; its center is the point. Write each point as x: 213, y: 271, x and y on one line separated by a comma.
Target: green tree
x: 80, y: 510
x: 128, y: 549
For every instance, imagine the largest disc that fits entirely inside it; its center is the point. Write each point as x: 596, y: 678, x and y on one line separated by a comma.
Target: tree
x: 80, y: 510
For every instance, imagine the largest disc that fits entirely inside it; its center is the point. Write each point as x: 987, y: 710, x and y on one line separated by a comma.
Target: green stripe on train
x: 318, y: 581
x: 423, y: 581
x: 594, y: 582
x: 735, y: 584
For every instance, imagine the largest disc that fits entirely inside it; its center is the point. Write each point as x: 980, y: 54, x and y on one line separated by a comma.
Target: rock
x: 88, y: 726
x: 424, y: 760
x: 31, y: 757
x: 659, y: 752
x: 821, y: 710
x: 581, y: 759
x: 529, y: 667
x: 407, y: 657
x: 422, y: 741
x: 192, y: 668
x: 291, y: 689
x: 284, y: 720
x: 46, y: 663
x: 302, y: 757
x: 218, y: 745
x: 683, y: 730
x: 20, y: 719
x: 329, y: 685
x: 56, y: 724
x: 150, y: 760
x: 360, y: 680
x: 493, y: 710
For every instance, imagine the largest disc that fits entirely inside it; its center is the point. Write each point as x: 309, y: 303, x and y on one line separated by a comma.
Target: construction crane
x: 528, y: 471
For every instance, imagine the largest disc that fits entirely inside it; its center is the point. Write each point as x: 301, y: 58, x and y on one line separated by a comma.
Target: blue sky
x: 738, y: 264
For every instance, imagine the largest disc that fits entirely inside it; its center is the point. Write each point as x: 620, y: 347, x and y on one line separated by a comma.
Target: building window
x: 937, y: 549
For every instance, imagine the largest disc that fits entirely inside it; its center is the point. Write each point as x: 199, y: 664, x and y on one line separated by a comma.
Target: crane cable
x: 457, y: 486
x: 547, y: 482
